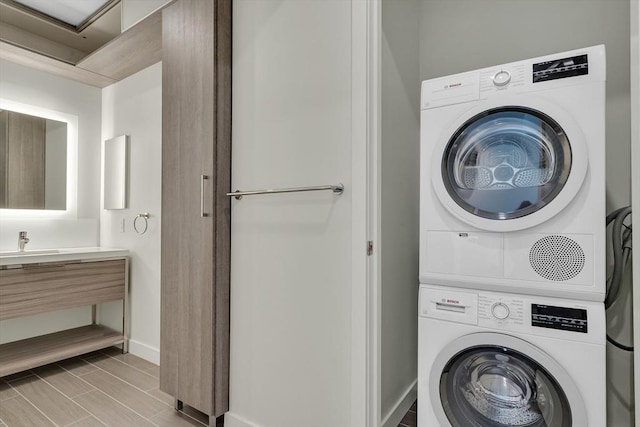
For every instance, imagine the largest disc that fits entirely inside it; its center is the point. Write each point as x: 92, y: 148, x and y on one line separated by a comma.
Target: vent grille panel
x: 557, y: 258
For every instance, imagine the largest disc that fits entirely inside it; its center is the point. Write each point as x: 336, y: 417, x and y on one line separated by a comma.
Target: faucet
x: 22, y: 240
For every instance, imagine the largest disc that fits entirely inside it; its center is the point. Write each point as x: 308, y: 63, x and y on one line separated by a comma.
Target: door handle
x: 203, y: 178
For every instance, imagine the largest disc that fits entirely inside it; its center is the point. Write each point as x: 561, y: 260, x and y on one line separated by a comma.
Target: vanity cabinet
x: 196, y: 153
x: 28, y: 289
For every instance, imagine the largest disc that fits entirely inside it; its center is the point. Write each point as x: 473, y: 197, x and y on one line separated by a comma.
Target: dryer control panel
x: 587, y: 65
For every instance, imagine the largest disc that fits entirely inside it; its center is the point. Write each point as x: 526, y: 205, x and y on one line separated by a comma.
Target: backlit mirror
x: 33, y: 162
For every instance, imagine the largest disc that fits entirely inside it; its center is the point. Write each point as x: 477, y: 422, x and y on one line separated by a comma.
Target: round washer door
x: 507, y: 167
x: 497, y: 380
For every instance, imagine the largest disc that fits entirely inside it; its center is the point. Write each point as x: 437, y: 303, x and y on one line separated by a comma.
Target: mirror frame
x: 71, y: 212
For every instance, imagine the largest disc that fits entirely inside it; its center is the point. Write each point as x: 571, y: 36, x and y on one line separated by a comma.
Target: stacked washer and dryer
x: 512, y: 326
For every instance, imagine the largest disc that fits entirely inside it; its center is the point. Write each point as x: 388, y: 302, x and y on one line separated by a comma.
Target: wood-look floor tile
x: 165, y: 398
x: 55, y: 405
x: 410, y: 419
x: 6, y: 392
x: 135, y: 361
x: 127, y: 373
x: 17, y: 376
x: 69, y: 384
x: 109, y: 411
x: 77, y: 366
x: 96, y: 356
x: 154, y: 372
x: 88, y: 422
x: 17, y: 412
x: 112, y: 351
x: 124, y: 393
x: 173, y: 418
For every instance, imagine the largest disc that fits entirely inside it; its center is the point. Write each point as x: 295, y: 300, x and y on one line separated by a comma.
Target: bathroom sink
x: 38, y: 256
x: 28, y: 252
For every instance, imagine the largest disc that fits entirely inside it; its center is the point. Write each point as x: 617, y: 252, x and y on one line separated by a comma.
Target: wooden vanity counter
x: 51, y: 282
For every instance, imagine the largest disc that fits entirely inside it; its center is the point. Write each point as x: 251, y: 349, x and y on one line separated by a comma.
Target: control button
x: 501, y: 78
x: 500, y: 310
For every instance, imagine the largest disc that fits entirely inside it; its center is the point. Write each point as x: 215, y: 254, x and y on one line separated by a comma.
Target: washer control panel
x: 555, y: 317
x: 561, y: 68
x: 507, y: 78
x: 498, y: 310
x: 521, y: 314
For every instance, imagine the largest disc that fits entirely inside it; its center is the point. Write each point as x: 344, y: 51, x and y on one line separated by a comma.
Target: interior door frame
x: 365, y: 44
x: 635, y: 189
x: 365, y: 157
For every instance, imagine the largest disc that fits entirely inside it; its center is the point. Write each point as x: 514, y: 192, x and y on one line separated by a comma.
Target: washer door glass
x: 492, y: 386
x: 506, y: 163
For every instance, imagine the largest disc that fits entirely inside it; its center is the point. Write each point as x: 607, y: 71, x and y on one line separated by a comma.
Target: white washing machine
x: 490, y: 359
x: 512, y: 190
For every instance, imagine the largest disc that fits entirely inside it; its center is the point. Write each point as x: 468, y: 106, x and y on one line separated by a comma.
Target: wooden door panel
x: 195, y: 221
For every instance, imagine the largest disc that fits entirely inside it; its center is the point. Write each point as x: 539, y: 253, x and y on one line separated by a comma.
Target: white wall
x: 27, y: 86
x: 461, y: 35
x: 399, y: 177
x: 133, y: 107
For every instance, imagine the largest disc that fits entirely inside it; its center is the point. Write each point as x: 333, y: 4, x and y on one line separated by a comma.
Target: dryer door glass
x: 497, y: 387
x: 506, y: 163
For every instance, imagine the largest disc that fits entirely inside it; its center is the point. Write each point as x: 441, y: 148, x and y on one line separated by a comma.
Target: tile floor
x: 105, y: 388
x: 411, y: 417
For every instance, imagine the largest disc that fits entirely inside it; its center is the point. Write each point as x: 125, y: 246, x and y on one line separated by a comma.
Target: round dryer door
x: 494, y: 380
x: 510, y: 167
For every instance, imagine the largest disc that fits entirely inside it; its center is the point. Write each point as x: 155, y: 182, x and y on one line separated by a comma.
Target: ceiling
x: 72, y: 12
x: 67, y: 30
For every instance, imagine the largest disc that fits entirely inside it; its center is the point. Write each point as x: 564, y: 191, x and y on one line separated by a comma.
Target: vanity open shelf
x: 21, y: 355
x: 39, y: 287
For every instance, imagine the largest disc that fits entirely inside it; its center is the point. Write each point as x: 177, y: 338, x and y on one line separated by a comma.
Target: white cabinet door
x: 291, y: 257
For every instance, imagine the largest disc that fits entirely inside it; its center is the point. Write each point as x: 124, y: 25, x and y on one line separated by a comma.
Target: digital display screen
x: 560, y: 68
x: 563, y: 318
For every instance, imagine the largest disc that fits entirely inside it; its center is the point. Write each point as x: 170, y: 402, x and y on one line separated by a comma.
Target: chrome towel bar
x: 337, y: 189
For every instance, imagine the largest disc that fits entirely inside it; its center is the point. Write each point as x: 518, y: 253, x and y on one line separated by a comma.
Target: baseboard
x: 393, y: 418
x: 234, y: 420
x: 144, y: 351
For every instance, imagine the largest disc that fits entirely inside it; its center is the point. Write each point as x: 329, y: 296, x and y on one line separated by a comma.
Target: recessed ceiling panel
x: 73, y: 12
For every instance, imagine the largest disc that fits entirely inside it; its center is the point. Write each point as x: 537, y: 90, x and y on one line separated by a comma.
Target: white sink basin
x: 28, y: 252
x: 37, y: 256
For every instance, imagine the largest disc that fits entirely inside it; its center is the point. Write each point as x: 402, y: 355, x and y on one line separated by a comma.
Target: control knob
x: 500, y: 310
x: 501, y: 78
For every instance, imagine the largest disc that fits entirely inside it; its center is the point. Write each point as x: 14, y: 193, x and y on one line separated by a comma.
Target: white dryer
x: 490, y: 359
x: 512, y: 192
